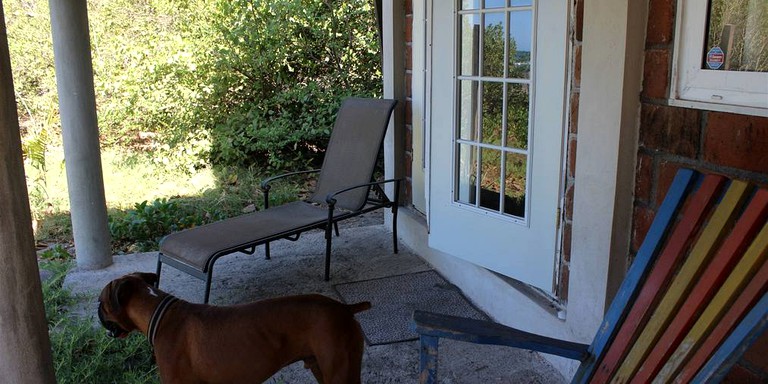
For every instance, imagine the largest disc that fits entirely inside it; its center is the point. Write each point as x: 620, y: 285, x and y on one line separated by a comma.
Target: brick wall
x: 408, y: 198
x: 670, y: 138
x: 570, y: 171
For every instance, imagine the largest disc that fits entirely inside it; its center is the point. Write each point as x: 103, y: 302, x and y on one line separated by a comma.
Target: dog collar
x: 157, y: 315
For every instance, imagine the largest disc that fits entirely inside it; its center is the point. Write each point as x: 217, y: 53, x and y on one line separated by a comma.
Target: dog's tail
x: 359, y: 307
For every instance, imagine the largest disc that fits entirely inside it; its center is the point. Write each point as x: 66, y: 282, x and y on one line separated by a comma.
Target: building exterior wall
x: 668, y: 138
x: 671, y: 137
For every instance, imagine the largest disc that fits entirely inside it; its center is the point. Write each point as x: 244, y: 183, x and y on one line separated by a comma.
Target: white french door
x: 497, y: 109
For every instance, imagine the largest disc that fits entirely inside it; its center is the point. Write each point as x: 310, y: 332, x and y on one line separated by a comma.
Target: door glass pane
x: 493, y: 108
x: 516, y: 166
x: 737, y: 36
x: 470, y: 4
x: 493, y: 90
x: 493, y: 44
x: 517, y: 115
x: 519, y: 59
x: 490, y: 181
x: 467, y: 174
x: 469, y: 44
x: 495, y: 3
x: 468, y: 110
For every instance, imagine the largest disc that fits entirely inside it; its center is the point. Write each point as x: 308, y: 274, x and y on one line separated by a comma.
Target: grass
x: 146, y: 200
x: 82, y: 352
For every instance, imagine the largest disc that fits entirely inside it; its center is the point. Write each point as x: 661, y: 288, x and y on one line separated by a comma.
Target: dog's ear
x: 119, y: 294
x: 149, y: 278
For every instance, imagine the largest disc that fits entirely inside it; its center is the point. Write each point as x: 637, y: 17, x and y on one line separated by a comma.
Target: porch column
x: 609, y: 104
x: 393, y: 73
x: 25, y: 352
x: 80, y: 133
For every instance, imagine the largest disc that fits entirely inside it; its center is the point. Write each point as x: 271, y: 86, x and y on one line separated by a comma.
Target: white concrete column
x: 611, y: 80
x: 393, y: 73
x: 80, y: 132
x: 25, y: 352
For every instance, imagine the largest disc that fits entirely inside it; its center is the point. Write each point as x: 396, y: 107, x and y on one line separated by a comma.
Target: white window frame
x: 693, y: 87
x: 506, y: 81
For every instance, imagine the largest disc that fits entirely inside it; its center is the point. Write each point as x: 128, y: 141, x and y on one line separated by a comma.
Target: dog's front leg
x: 311, y: 364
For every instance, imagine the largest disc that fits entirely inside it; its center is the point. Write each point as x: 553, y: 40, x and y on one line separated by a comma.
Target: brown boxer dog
x: 248, y: 343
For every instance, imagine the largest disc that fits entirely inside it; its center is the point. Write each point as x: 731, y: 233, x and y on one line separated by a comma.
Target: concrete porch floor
x: 362, y: 252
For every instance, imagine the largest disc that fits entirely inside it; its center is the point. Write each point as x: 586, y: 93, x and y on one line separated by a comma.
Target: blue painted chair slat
x: 681, y: 187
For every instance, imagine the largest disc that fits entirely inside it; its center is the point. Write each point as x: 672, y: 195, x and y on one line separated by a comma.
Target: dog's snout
x: 113, y: 330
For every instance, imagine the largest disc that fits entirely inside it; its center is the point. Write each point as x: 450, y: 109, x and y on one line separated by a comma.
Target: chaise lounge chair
x: 343, y: 190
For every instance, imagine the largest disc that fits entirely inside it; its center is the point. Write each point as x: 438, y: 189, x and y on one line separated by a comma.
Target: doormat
x: 395, y: 298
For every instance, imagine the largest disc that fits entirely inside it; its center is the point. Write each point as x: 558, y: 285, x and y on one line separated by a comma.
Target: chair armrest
x: 487, y: 332
x: 331, y: 197
x: 265, y: 183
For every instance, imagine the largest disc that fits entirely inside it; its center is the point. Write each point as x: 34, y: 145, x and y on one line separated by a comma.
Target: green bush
x: 286, y: 66
x: 192, y: 82
x: 140, y: 228
x: 143, y: 226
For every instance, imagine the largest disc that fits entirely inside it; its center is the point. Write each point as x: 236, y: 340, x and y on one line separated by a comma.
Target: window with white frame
x: 721, y: 56
x: 494, y: 87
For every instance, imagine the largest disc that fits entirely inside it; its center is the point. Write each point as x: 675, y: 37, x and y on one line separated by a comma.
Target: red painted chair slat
x: 718, y: 270
x: 751, y: 294
x: 679, y: 241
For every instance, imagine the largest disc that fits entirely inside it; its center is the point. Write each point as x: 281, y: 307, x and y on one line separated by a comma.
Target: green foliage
x: 82, y: 352
x: 191, y: 82
x: 140, y: 228
x: 282, y: 68
x: 56, y: 252
x: 147, y: 222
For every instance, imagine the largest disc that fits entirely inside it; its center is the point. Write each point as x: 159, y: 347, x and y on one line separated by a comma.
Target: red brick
x: 409, y: 85
x: 567, y: 241
x: 661, y: 19
x: 757, y: 354
x: 409, y: 29
x: 408, y: 7
x: 408, y: 57
x: 572, y: 157
x: 409, y: 112
x: 577, y: 66
x: 644, y: 178
x: 409, y: 138
x: 668, y: 129
x: 573, y: 125
x: 641, y: 223
x: 656, y: 73
x: 737, y: 141
x: 667, y: 172
x: 568, y: 205
x: 740, y: 375
x: 565, y: 277
x: 579, y: 32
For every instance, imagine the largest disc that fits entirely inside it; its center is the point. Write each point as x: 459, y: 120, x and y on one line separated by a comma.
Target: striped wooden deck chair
x: 692, y: 303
